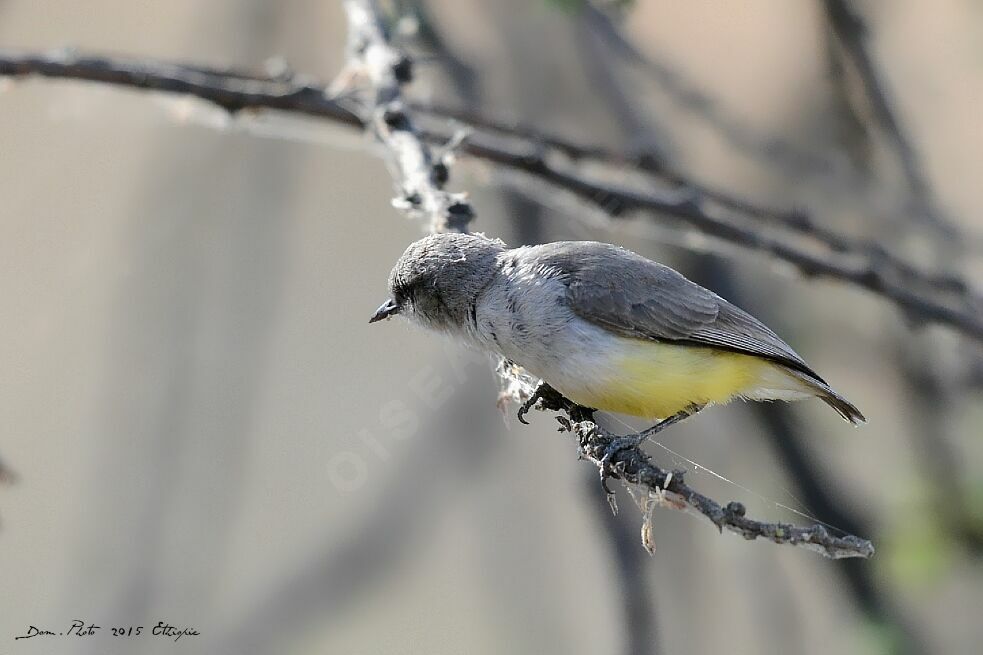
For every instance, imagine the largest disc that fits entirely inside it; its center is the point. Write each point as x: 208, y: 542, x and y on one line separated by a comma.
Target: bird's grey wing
x: 636, y: 297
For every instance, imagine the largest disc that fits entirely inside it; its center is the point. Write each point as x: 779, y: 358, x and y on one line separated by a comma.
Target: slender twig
x: 961, y: 313
x: 462, y: 76
x: 851, y: 32
x: 876, y: 271
x: 794, y: 220
x: 700, y: 104
x: 617, y: 457
x: 421, y: 177
x: 621, y: 457
x: 231, y: 91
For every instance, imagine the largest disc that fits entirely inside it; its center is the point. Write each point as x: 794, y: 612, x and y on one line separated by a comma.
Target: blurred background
x: 200, y: 428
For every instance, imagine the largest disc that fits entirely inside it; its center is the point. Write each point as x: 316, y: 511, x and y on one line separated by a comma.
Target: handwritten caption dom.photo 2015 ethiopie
x: 79, y: 629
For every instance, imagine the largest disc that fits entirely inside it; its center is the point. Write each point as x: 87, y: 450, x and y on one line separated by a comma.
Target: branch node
x: 394, y: 117
x: 403, y: 70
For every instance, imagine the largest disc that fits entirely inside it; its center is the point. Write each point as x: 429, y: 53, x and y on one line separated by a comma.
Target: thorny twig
x: 924, y: 297
x: 422, y: 178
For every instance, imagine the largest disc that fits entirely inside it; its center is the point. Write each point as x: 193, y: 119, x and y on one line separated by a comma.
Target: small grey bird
x: 607, y: 328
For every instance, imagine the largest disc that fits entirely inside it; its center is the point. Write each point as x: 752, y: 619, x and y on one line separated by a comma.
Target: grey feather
x: 633, y: 296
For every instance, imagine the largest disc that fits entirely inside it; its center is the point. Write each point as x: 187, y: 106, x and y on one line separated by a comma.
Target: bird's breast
x: 599, y: 369
x: 521, y: 317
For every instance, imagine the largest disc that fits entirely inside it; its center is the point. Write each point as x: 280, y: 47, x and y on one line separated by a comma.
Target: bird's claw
x: 607, y: 472
x: 551, y: 400
x: 529, y: 404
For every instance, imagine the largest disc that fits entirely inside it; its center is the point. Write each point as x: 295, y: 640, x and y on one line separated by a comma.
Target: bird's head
x: 437, y: 280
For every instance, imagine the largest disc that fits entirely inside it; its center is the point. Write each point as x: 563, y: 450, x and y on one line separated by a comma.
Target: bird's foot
x: 609, y: 469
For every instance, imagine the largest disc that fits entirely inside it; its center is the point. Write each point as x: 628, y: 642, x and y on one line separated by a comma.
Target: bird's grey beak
x: 389, y: 308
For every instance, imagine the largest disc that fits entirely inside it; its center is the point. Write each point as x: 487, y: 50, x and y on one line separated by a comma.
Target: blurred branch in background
x: 799, y: 163
x: 696, y: 102
x: 851, y: 33
x: 923, y: 297
x: 930, y: 399
x: 930, y: 396
x: 7, y: 476
x: 651, y: 144
x: 880, y: 608
x: 422, y: 30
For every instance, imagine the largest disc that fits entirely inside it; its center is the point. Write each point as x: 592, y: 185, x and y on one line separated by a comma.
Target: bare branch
x: 229, y: 90
x: 697, y: 103
x: 422, y: 179
x: 961, y: 312
x: 943, y: 299
x: 851, y: 32
x: 795, y: 220
x: 634, y: 466
x: 622, y: 458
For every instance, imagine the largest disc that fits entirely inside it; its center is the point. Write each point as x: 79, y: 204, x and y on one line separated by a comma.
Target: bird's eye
x: 402, y: 293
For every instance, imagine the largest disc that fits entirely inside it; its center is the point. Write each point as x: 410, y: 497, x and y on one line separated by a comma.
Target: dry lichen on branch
x: 421, y: 177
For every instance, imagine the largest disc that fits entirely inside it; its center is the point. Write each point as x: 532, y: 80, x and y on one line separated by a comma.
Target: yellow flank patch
x: 657, y: 380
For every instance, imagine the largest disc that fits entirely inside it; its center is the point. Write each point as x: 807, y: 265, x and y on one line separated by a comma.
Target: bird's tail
x: 821, y: 390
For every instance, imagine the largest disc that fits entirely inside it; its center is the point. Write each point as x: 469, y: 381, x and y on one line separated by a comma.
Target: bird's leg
x: 635, y: 440
x: 554, y: 400
x: 678, y: 417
